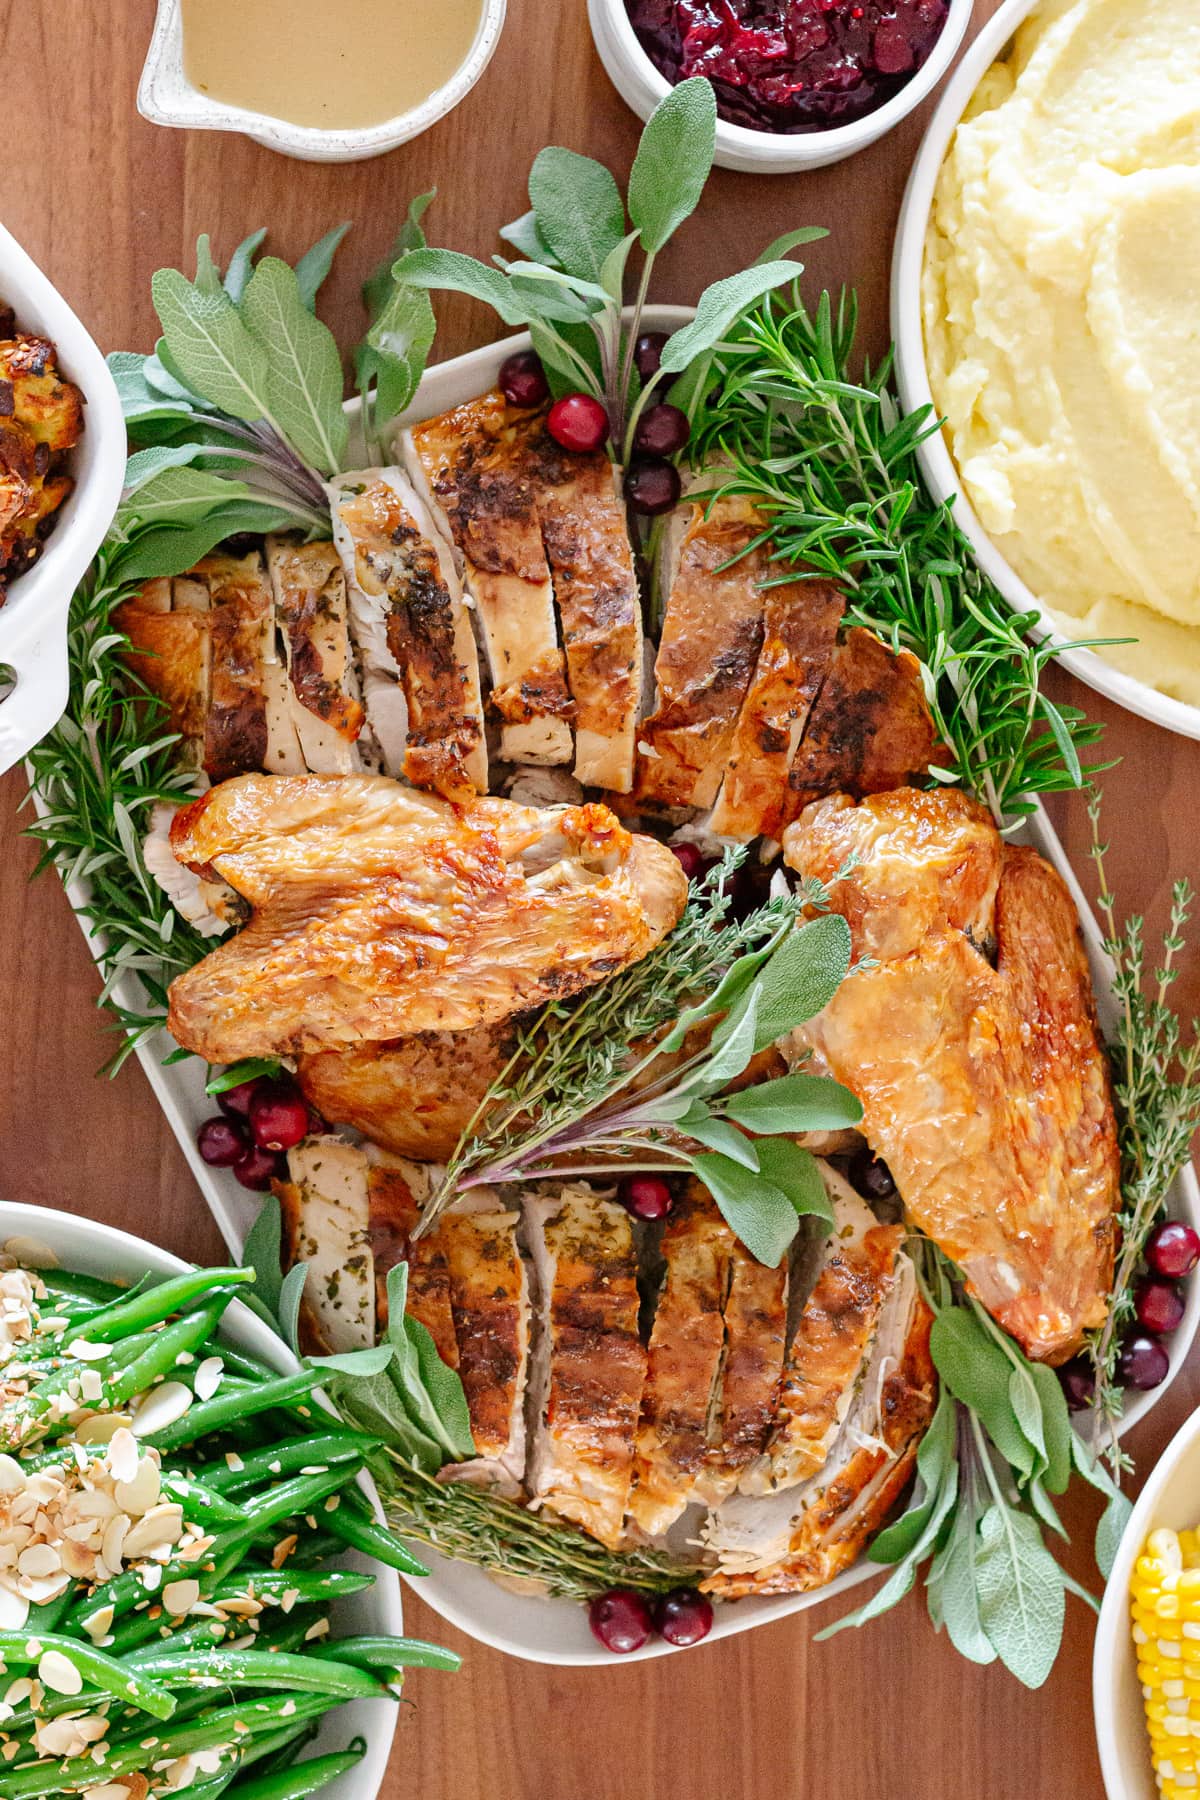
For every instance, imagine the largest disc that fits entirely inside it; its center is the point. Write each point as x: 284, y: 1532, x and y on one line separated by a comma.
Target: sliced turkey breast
x: 326, y: 1224
x: 711, y: 638
x: 471, y: 464
x: 589, y: 1364
x: 312, y: 616
x: 170, y: 652
x: 489, y: 1298
x: 413, y: 632
x: 676, y: 1439
x: 800, y: 623
x: 800, y: 1537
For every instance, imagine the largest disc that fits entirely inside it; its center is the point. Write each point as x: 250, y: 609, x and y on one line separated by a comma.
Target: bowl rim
x: 56, y: 1228
x: 839, y: 138
x: 912, y: 378
x: 166, y: 96
x: 1114, y: 1642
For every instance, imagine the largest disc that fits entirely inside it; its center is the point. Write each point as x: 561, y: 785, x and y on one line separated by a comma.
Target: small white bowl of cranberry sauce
x: 799, y: 83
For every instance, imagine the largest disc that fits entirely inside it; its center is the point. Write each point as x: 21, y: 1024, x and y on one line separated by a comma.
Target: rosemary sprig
x: 828, y: 458
x: 99, y: 775
x: 1156, y: 1080
x: 472, y: 1525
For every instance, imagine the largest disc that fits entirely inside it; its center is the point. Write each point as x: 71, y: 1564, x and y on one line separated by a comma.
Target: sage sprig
x: 576, y: 243
x: 1000, y: 1448
x: 575, y: 1100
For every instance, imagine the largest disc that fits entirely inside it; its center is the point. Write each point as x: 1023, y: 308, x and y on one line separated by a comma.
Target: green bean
x: 73, y: 1286
x: 98, y: 1670
x: 127, y: 1756
x: 201, y: 1502
x: 124, y: 1591
x: 229, y: 1410
x: 389, y: 1653
x: 161, y: 1356
x: 220, y: 1667
x: 288, y: 1458
x: 303, y: 1778
x: 372, y: 1540
x: 151, y: 1307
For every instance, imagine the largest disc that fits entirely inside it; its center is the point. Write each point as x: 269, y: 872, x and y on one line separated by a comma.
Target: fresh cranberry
x: 1078, y: 1380
x: 578, y: 422
x: 278, y: 1115
x: 621, y: 1620
x: 661, y: 431
x: 257, y: 1168
x: 523, y: 379
x: 1143, y: 1363
x: 1173, y: 1250
x: 870, y: 1176
x: 646, y: 1196
x: 1159, y: 1305
x: 221, y: 1142
x: 683, y: 1617
x: 236, y: 1100
x: 691, y: 860
x: 652, y: 487
x: 647, y: 353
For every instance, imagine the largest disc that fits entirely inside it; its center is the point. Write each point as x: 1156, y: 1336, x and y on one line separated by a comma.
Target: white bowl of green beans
x: 280, y: 1515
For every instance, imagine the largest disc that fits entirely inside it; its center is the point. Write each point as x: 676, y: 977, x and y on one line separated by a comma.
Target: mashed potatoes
x: 1062, y: 321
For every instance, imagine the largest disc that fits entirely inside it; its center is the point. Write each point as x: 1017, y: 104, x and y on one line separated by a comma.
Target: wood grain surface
x: 101, y: 199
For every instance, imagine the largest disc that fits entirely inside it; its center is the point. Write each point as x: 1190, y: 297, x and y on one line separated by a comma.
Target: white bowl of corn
x: 1146, y: 1666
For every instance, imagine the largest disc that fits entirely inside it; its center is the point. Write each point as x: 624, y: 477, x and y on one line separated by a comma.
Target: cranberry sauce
x: 791, y: 65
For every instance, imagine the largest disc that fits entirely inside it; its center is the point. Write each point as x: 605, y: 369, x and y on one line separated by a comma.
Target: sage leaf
x: 1056, y: 1425
x: 263, y: 1252
x: 762, y: 1216
x: 523, y: 235
x: 714, y: 1134
x: 241, y: 263
x: 1110, y: 1531
x: 562, y: 348
x: 934, y: 1456
x: 953, y: 1591
x: 145, y: 464
x: 548, y: 295
x: 303, y: 368
x: 976, y: 1371
x: 180, y: 495
x: 578, y: 209
x: 795, y: 1171
x: 445, y: 1390
x: 1045, y: 1509
x: 1026, y: 1403
x: 732, y: 1046
x: 795, y: 1103
x: 395, y: 350
x: 210, y: 345
x: 612, y: 270
x: 729, y: 991
x: 791, y: 240
x: 316, y: 263
x: 411, y: 236
x: 288, y: 1311
x: 372, y: 1360
x: 673, y: 162
x: 801, y: 977
x: 162, y: 373
x: 462, y: 275
x: 718, y: 307
x: 1022, y: 1601
x: 167, y: 549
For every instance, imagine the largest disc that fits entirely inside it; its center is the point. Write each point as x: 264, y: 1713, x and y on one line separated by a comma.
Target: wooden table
x: 101, y: 199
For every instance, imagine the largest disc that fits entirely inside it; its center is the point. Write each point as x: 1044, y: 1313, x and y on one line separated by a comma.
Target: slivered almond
x: 57, y: 1672
x: 158, y: 1528
x: 101, y: 1624
x: 12, y: 1475
x: 208, y: 1377
x: 113, y: 1547
x: 180, y: 1596
x: 123, y: 1455
x: 39, y: 1559
x: 160, y: 1408
x: 139, y: 1493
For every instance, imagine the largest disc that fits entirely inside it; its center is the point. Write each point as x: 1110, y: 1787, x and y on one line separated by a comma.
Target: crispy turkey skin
x: 377, y: 911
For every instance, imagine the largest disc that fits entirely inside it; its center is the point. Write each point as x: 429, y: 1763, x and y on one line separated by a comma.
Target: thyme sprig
x: 1156, y: 1081
x: 826, y: 455
x: 472, y: 1525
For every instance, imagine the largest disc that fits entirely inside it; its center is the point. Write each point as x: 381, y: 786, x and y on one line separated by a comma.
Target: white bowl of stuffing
x: 62, y: 463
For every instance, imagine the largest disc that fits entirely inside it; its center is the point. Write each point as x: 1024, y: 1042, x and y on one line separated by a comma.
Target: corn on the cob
x: 1166, y: 1629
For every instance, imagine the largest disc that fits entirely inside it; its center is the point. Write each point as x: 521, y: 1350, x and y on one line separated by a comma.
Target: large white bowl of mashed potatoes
x: 1046, y: 302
